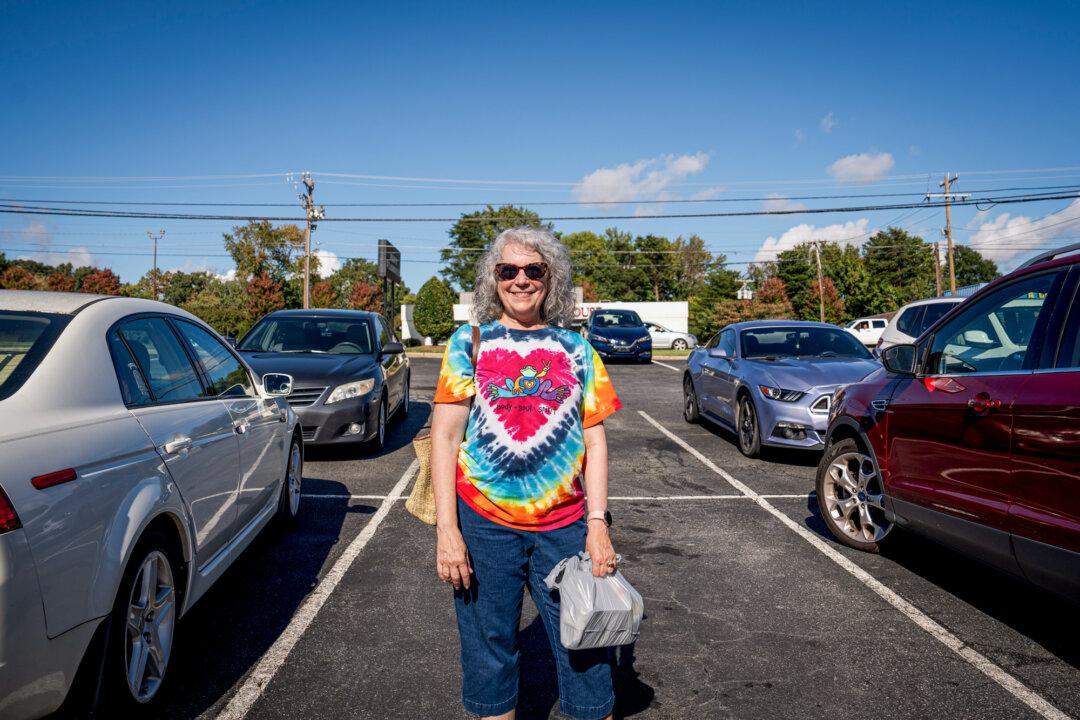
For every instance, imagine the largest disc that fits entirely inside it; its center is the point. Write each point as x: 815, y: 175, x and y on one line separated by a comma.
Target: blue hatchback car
x: 772, y: 381
x: 619, y: 334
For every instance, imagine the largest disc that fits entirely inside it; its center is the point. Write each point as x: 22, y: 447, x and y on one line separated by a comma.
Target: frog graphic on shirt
x: 529, y: 383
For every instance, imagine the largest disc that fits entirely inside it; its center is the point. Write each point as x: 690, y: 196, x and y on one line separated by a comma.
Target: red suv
x: 971, y: 435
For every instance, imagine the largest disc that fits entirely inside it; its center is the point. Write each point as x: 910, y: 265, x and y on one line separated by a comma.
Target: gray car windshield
x: 777, y: 342
x: 335, y: 336
x: 25, y: 338
x: 616, y: 318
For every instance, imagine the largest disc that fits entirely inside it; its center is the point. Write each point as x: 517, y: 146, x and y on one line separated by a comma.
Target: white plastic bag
x: 594, y: 611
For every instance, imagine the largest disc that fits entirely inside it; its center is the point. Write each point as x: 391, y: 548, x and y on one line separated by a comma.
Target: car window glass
x: 909, y: 320
x: 776, y: 342
x: 932, y: 314
x: 879, y: 324
x: 132, y: 385
x: 25, y: 339
x: 993, y: 335
x: 713, y: 341
x: 226, y: 375
x: 727, y: 342
x: 163, y: 362
x: 616, y: 318
x: 298, y: 334
x: 384, y: 334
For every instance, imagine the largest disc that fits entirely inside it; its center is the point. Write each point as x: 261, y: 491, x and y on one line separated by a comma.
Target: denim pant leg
x: 489, y: 612
x: 585, y: 682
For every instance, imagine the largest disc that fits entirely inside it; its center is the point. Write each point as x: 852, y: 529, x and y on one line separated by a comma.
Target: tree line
x: 891, y: 268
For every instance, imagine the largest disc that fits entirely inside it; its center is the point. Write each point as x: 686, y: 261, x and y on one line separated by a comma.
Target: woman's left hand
x: 598, y: 545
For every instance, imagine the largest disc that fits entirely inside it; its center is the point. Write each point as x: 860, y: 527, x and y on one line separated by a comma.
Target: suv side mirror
x: 899, y: 359
x: 277, y: 384
x: 392, y: 348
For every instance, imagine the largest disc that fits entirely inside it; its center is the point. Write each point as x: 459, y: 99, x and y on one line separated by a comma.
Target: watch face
x: 607, y: 517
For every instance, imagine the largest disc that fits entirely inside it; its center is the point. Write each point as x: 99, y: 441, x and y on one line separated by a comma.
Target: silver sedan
x: 663, y: 337
x: 140, y: 458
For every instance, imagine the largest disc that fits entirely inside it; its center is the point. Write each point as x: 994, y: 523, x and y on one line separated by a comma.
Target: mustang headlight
x: 774, y: 393
x: 351, y: 390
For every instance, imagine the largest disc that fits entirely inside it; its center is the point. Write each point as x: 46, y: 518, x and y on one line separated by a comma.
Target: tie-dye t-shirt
x: 522, y: 458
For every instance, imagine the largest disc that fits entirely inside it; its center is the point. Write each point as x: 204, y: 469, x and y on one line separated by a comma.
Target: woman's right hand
x: 452, y: 558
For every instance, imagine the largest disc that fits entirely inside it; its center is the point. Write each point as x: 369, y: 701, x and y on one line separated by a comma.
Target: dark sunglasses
x: 509, y: 271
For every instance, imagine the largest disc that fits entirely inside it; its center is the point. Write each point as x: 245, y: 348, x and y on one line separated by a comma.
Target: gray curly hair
x: 558, y: 307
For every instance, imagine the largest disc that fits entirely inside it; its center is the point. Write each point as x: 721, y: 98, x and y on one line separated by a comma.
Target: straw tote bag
x: 421, y: 502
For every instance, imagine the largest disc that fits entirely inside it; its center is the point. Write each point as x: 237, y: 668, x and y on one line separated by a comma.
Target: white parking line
x: 659, y: 498
x: 274, y: 658
x: 671, y: 367
x: 1020, y: 691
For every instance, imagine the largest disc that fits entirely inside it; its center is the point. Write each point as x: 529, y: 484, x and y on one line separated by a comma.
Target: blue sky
x: 548, y: 102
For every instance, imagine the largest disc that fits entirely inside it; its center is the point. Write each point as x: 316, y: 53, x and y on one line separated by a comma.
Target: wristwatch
x: 600, y: 515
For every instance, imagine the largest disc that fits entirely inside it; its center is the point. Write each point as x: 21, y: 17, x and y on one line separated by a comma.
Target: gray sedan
x: 663, y: 337
x: 140, y: 458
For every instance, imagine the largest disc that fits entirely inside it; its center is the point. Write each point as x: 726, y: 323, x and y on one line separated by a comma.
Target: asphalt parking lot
x: 752, y: 611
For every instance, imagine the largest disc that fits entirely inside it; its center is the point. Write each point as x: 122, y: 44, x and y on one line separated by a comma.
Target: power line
x: 86, y: 212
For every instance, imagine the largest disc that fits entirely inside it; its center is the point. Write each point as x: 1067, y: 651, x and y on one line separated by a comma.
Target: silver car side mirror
x: 277, y: 384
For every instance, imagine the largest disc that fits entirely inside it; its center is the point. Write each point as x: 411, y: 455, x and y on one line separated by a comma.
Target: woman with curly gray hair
x: 520, y: 404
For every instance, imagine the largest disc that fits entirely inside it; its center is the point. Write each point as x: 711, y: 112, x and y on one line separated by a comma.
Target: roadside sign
x: 389, y: 261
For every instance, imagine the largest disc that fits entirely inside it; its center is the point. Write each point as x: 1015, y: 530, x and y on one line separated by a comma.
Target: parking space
x: 745, y: 618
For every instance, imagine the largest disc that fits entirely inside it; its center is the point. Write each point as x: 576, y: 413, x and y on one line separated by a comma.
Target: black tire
x: 747, y: 428
x: 691, y: 412
x: 402, y: 410
x: 119, y: 700
x: 378, y: 440
x: 851, y: 528
x: 289, y: 499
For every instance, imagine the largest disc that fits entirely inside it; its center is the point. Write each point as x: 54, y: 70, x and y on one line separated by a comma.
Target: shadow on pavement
x: 242, y: 615
x: 785, y: 456
x: 399, y: 433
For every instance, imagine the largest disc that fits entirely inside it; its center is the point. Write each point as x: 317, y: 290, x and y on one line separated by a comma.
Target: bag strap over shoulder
x: 475, y: 345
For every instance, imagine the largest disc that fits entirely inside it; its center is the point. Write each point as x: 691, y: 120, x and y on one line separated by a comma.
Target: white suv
x: 910, y: 321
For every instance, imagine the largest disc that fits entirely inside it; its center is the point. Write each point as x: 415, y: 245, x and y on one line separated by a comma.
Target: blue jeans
x: 504, y: 560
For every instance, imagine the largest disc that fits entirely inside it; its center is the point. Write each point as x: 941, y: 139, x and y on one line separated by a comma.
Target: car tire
x: 289, y: 500
x: 747, y: 428
x: 850, y: 497
x: 691, y: 412
x: 679, y: 344
x: 402, y: 410
x: 378, y: 440
x: 143, y: 628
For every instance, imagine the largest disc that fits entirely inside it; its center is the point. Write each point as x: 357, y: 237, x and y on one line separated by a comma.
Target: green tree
x: 177, y: 287
x: 900, y: 266
x: 221, y: 305
x: 693, y: 263
x: 259, y: 248
x: 18, y: 278
x: 833, y: 305
x: 472, y: 234
x: 434, y: 312
x: 655, y: 257
x: 970, y: 267
x: 797, y: 268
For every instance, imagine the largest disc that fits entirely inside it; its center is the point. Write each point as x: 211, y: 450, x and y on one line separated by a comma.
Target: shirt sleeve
x: 598, y: 399
x: 456, y: 375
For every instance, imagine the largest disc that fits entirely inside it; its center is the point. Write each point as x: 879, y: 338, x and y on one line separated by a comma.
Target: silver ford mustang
x: 772, y: 380
x: 139, y: 458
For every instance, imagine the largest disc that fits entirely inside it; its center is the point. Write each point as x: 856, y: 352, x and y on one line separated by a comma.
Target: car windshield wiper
x: 320, y: 352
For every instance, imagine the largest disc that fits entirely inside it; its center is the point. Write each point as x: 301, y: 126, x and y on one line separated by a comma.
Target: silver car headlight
x: 775, y: 393
x: 351, y: 390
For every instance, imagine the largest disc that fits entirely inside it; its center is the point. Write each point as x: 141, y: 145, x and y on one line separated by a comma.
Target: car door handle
x: 982, y: 404
x: 177, y: 445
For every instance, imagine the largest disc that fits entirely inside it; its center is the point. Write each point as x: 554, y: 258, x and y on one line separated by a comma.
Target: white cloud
x: 710, y: 193
x: 862, y: 168
x: 226, y: 276
x: 849, y: 233
x: 800, y: 136
x: 828, y: 123
x: 641, y: 180
x: 778, y: 203
x: 328, y: 262
x: 40, y: 234
x: 1005, y: 238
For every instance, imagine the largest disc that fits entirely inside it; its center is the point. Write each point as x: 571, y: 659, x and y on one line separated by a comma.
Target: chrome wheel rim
x: 688, y: 401
x: 295, y: 478
x: 151, y: 623
x: 853, y: 498
x: 746, y: 424
x: 678, y: 345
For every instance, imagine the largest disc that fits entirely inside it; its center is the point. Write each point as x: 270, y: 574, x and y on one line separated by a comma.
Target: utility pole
x: 314, y: 214
x: 820, y: 284
x: 937, y: 269
x: 155, y: 238
x: 948, y: 221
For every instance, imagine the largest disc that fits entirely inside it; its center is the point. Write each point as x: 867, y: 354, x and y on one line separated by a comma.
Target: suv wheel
x: 850, y: 498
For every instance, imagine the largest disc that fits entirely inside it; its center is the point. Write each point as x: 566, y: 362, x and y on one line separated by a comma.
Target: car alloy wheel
x: 150, y: 626
x: 679, y: 344
x: 294, y: 478
x: 690, y: 406
x: 749, y: 440
x: 378, y: 442
x: 850, y: 497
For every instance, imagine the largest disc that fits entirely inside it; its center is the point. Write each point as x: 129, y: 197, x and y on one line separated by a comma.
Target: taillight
x: 8, y: 519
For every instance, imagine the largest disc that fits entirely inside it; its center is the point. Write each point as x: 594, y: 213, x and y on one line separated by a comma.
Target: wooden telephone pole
x: 314, y: 214
x: 948, y: 197
x: 155, y: 238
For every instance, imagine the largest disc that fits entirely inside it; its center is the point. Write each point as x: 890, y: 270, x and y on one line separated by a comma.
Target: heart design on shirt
x: 525, y: 392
